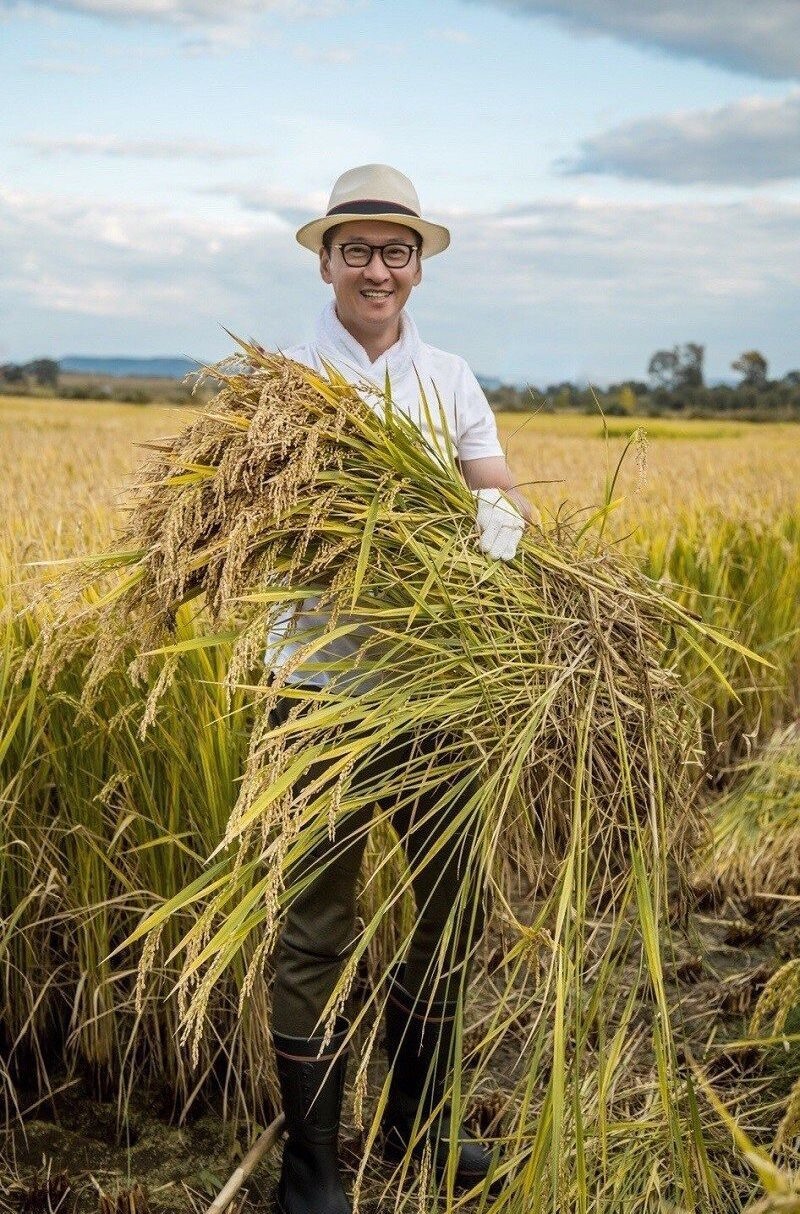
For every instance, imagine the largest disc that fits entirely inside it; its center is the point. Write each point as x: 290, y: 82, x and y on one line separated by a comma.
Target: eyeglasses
x: 394, y: 256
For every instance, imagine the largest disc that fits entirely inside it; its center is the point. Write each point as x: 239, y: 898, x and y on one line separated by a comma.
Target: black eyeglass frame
x: 390, y: 244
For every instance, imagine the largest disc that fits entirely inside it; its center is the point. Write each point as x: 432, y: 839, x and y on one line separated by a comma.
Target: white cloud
x: 290, y: 206
x: 206, y: 27
x: 546, y: 248
x: 77, y: 274
x: 147, y: 149
x: 746, y: 143
x: 761, y: 37
x: 189, y: 12
x: 546, y: 289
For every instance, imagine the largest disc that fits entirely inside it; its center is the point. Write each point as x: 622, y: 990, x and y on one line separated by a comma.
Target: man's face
x: 373, y: 296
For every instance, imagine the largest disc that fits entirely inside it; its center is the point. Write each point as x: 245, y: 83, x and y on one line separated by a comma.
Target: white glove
x: 500, y: 524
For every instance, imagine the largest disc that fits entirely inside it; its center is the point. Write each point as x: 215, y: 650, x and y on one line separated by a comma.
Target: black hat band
x: 371, y: 206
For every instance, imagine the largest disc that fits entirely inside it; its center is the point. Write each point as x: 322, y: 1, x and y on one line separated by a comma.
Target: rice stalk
x: 755, y: 848
x: 740, y: 575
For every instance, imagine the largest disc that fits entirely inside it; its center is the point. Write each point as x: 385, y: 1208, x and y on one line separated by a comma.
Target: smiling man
x: 371, y: 244
x: 372, y: 266
x: 366, y: 326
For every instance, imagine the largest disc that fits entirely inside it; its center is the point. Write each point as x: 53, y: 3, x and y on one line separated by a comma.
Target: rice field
x: 99, y: 826
x: 713, y: 467
x: 65, y: 463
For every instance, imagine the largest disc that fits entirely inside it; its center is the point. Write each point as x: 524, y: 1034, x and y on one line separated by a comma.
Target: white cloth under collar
x: 338, y: 346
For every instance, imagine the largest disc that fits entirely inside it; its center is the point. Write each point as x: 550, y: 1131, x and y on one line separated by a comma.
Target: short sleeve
x: 301, y: 354
x: 476, y: 426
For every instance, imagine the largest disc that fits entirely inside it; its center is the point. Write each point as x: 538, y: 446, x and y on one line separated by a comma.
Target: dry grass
x: 756, y: 842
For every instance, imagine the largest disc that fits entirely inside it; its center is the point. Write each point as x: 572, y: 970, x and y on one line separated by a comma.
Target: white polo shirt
x: 468, y: 416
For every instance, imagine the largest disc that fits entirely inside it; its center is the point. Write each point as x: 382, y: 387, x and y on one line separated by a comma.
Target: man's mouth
x: 376, y: 294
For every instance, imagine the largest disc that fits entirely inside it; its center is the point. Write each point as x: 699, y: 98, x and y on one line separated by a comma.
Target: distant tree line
x: 43, y: 377
x: 676, y: 385
x: 41, y: 371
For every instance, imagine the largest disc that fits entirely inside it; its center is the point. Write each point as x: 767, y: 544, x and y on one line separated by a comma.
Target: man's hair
x: 327, y: 239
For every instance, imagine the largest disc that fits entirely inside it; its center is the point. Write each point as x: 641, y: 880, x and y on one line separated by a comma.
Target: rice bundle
x: 756, y: 826
x: 549, y: 677
x: 287, y: 486
x: 777, y: 1014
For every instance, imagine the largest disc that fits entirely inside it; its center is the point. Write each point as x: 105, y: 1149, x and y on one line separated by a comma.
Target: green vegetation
x: 43, y: 379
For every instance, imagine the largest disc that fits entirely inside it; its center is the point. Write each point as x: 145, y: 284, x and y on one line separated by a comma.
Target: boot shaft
x: 312, y: 1083
x: 419, y: 1042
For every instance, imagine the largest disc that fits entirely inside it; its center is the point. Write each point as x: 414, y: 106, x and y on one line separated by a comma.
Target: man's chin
x: 377, y: 319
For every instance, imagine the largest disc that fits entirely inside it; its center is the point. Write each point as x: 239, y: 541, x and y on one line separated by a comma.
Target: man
x: 371, y: 243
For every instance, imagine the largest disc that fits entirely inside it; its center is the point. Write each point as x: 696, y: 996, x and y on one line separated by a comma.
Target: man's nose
x: 375, y: 267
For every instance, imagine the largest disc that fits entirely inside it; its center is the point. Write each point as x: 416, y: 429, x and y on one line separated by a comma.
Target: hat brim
x: 435, y: 238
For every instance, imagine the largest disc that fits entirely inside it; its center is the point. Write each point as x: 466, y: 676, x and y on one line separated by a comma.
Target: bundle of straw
x: 548, y: 676
x: 755, y: 847
x: 551, y: 667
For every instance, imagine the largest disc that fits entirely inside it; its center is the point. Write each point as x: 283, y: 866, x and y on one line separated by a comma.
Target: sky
x: 617, y: 176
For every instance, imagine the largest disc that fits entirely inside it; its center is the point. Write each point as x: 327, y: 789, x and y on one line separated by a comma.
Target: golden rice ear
x: 256, y: 353
x: 329, y: 389
x: 779, y: 1000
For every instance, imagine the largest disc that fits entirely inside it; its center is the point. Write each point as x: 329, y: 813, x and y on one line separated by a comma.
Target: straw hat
x: 375, y: 191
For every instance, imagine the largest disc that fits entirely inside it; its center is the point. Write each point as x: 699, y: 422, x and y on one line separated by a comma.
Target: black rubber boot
x: 419, y: 1037
x: 312, y: 1088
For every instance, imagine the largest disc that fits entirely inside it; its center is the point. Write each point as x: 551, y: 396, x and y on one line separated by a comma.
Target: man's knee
x: 318, y: 929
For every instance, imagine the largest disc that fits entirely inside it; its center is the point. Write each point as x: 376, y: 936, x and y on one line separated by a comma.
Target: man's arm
x: 492, y: 472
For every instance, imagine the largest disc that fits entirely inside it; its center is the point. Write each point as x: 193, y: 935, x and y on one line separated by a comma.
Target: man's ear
x: 325, y: 265
x: 417, y: 279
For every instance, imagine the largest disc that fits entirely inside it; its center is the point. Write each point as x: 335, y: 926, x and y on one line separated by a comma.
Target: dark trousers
x: 319, y: 927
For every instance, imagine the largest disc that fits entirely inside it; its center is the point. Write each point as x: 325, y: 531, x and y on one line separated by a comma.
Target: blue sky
x: 617, y: 177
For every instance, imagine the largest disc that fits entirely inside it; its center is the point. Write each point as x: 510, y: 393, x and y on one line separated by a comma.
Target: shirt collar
x: 335, y: 343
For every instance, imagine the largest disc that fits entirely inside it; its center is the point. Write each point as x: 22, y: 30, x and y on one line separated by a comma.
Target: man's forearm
x: 522, y: 504
x: 494, y: 473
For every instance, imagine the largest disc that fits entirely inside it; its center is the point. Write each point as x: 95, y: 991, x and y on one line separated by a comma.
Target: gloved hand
x: 500, y: 524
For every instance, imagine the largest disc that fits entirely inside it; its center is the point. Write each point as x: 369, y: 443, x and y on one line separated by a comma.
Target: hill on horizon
x: 167, y: 367
x: 163, y: 367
